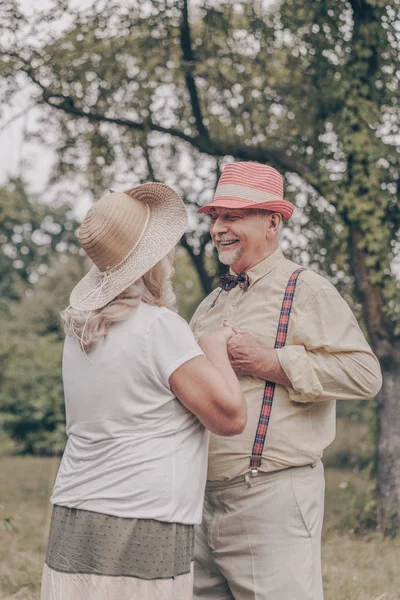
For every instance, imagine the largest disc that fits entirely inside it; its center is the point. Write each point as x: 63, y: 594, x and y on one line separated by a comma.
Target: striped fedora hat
x: 250, y: 185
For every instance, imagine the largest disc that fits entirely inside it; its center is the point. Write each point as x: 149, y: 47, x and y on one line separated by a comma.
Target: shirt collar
x: 265, y: 266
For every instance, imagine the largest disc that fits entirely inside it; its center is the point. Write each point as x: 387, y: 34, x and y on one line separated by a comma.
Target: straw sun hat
x: 125, y: 234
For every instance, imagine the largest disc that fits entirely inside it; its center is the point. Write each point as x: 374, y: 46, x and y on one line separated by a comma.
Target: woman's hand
x: 216, y: 336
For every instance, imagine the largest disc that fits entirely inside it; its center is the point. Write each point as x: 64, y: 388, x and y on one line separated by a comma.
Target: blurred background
x: 97, y: 94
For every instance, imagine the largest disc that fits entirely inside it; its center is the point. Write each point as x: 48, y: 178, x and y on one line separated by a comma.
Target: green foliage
x: 186, y: 285
x: 33, y: 238
x: 30, y: 234
x: 361, y: 515
x: 136, y: 92
x: 31, y: 394
x: 353, y: 451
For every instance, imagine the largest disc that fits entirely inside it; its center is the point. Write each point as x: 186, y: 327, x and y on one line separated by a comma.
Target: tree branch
x: 17, y: 116
x: 278, y: 158
x: 148, y: 162
x: 188, y: 62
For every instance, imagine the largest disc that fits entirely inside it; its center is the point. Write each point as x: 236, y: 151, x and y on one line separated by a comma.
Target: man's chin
x: 228, y: 258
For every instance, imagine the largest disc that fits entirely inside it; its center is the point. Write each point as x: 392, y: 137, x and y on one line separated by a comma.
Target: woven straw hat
x: 125, y: 234
x: 250, y: 185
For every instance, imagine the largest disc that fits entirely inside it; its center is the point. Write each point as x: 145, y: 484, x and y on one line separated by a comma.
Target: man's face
x: 240, y: 237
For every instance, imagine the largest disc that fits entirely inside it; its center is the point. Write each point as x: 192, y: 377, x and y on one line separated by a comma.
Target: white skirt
x: 78, y: 586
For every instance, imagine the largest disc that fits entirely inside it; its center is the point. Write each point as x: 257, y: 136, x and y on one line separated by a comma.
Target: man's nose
x: 218, y: 226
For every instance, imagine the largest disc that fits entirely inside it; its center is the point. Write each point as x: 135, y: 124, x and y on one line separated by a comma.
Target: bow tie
x: 228, y: 282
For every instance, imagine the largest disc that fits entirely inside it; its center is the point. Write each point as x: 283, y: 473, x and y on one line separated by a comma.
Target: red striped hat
x: 250, y: 185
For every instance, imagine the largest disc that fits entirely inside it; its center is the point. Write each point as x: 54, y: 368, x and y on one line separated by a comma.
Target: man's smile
x: 227, y: 242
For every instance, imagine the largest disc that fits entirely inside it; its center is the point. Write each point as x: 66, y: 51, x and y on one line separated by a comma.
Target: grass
x: 354, y: 568
x: 24, y: 518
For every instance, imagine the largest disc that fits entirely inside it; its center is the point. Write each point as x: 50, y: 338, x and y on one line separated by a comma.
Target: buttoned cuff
x: 300, y: 372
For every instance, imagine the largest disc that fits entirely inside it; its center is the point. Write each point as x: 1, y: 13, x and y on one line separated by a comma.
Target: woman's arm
x: 208, y: 387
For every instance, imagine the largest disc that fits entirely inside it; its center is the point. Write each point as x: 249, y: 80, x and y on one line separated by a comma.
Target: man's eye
x: 234, y: 217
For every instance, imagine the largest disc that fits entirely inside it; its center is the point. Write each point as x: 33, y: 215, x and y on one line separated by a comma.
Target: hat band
x: 244, y: 192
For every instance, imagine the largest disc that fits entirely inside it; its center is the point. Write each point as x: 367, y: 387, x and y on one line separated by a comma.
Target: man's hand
x: 249, y: 357
x: 245, y: 352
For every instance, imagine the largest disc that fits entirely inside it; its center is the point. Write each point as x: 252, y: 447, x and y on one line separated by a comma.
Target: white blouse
x: 133, y: 449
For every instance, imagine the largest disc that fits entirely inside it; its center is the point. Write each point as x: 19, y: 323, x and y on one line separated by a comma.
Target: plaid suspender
x: 259, y: 440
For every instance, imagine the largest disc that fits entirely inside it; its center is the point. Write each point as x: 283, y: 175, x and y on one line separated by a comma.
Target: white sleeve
x: 170, y: 344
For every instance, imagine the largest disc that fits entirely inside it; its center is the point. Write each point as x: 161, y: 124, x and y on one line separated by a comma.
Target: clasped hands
x: 246, y: 354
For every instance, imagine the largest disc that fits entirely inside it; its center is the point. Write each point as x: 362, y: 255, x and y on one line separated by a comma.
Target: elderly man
x: 297, y: 348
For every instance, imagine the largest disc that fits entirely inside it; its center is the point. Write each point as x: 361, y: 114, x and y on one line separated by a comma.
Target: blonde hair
x: 154, y: 288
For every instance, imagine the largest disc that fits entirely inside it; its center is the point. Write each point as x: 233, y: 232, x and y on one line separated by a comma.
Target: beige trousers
x: 69, y: 586
x: 262, y: 542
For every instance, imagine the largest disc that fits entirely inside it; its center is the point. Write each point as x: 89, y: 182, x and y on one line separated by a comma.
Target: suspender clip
x: 249, y: 476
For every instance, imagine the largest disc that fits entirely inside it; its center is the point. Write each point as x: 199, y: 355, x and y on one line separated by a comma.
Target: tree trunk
x: 369, y: 243
x: 388, y: 459
x: 198, y: 263
x: 387, y: 350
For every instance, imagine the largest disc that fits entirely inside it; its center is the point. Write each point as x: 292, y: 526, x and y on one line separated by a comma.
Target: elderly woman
x: 139, y: 395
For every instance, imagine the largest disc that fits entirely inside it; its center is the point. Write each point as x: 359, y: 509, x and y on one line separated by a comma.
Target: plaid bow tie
x: 228, y: 282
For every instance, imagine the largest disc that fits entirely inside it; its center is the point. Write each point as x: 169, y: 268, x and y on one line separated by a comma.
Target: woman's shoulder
x: 168, y: 318
x: 150, y: 317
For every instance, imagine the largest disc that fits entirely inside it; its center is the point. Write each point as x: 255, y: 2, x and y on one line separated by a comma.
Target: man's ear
x: 275, y: 220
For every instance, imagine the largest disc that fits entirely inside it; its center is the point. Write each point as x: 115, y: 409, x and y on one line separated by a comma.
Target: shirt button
x: 231, y: 308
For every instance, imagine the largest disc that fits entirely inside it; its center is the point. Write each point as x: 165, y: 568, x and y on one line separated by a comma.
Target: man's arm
x: 330, y: 360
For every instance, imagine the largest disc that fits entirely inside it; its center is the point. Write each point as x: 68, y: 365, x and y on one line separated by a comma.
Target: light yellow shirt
x: 326, y: 358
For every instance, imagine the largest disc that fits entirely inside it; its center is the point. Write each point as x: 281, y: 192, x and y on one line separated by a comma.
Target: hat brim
x: 167, y: 224
x: 282, y: 207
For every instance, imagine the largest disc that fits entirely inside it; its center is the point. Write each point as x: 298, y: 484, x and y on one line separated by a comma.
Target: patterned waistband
x: 81, y: 541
